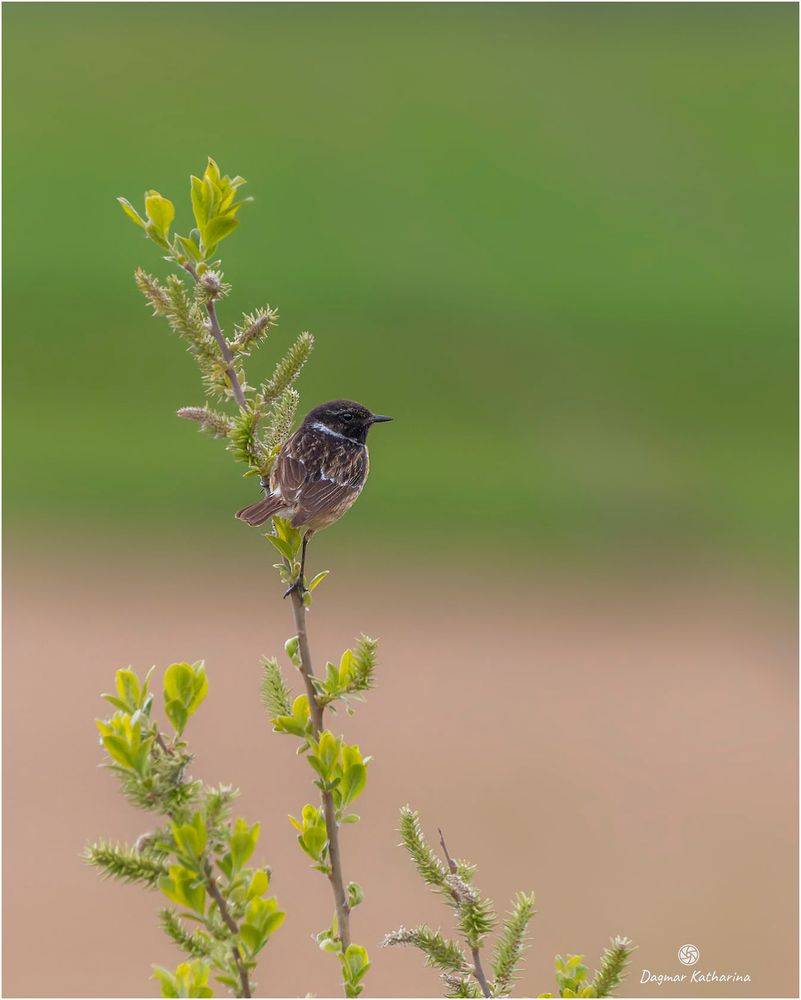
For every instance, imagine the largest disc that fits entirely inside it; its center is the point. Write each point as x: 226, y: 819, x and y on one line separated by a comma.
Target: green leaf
x: 112, y: 700
x: 331, y: 677
x: 128, y: 688
x: 279, y: 543
x: 119, y: 750
x: 292, y: 650
x: 273, y: 922
x: 131, y: 212
x: 190, y: 838
x: 179, y: 683
x: 346, y: 667
x: 218, y: 229
x: 188, y: 980
x: 169, y: 986
x: 201, y: 203
x: 200, y: 687
x: 354, y: 774
x: 259, y: 884
x: 183, y: 887
x: 156, y: 235
x: 355, y: 894
x: 212, y: 171
x: 160, y: 211
x: 298, y: 723
x: 355, y: 964
x: 243, y: 841
x: 353, y: 782
x: 189, y: 247
x: 177, y: 715
x: 313, y: 834
x: 252, y: 937
x: 146, y: 682
x: 327, y: 753
x: 185, y: 687
x: 262, y: 918
x: 313, y: 841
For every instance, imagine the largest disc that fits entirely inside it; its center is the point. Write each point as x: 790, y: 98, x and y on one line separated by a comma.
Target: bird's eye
x: 347, y: 415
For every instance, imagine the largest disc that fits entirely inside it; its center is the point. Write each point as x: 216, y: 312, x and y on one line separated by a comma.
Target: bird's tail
x: 257, y: 513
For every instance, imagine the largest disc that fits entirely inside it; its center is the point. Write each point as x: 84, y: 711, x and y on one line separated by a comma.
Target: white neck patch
x: 327, y: 430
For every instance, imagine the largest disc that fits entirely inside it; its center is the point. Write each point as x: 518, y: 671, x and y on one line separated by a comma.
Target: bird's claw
x: 298, y: 587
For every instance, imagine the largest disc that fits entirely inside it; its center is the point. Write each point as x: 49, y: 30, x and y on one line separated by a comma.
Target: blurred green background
x: 558, y: 242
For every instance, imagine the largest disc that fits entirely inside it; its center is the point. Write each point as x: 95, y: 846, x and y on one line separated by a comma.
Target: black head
x: 343, y: 416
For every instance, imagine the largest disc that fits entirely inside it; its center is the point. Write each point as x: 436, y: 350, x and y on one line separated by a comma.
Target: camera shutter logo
x: 689, y: 954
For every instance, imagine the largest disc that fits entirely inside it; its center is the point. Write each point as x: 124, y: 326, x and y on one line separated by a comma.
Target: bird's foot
x: 298, y: 587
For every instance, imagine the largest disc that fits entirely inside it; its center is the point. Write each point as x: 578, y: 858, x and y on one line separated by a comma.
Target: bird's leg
x: 299, y: 584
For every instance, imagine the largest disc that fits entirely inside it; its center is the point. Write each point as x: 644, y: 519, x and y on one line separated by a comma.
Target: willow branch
x: 478, y: 972
x: 315, y: 708
x: 451, y: 863
x: 222, y: 343
x: 214, y: 891
x: 478, y: 968
x: 329, y: 811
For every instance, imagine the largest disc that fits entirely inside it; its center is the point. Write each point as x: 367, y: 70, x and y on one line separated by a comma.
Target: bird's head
x: 343, y: 416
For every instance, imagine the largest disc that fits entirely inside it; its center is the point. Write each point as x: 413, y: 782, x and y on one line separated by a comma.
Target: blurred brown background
x: 628, y: 751
x: 559, y: 243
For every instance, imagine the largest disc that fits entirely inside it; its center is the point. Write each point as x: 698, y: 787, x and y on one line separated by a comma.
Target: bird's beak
x: 379, y: 418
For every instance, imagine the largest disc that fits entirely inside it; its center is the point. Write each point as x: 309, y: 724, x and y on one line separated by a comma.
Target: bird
x: 318, y: 473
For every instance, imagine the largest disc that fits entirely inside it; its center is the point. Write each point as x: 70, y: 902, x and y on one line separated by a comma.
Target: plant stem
x: 478, y: 972
x: 316, y: 713
x: 478, y: 968
x: 306, y: 669
x: 222, y: 343
x: 315, y: 708
x: 228, y: 357
x: 230, y: 923
x: 214, y: 891
x: 448, y: 858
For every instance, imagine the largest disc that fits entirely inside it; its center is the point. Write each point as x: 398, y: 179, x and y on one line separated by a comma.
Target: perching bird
x: 318, y: 473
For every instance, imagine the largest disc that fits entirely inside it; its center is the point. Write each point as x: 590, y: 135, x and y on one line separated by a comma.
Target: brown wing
x: 288, y: 473
x: 316, y: 481
x: 333, y: 487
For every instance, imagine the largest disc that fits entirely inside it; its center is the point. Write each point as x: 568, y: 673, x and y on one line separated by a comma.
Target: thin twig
x: 217, y: 896
x: 231, y: 924
x: 222, y: 343
x: 478, y: 972
x: 329, y: 811
x: 478, y: 968
x: 448, y: 858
